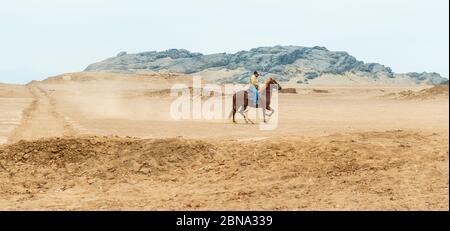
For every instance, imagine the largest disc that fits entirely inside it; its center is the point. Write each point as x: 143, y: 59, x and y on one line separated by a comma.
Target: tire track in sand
x: 41, y: 119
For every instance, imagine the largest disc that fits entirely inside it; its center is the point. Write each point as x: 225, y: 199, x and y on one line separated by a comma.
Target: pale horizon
x: 47, y: 38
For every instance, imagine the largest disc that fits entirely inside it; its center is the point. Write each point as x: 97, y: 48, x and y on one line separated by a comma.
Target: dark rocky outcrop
x: 282, y: 62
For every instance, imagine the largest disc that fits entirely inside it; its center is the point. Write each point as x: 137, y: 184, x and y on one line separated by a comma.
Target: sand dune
x: 436, y: 92
x: 106, y: 141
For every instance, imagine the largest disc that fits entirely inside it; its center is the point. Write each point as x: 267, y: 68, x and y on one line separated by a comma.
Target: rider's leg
x: 256, y: 97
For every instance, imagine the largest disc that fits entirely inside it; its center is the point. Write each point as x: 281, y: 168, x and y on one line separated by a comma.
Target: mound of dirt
x: 158, y: 93
x: 288, y: 91
x: 387, y: 170
x: 436, y: 90
x: 320, y: 91
x: 425, y: 94
x: 88, y: 153
x: 166, y: 92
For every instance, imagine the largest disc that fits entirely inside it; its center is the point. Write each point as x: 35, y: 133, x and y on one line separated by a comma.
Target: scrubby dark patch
x: 288, y: 91
x: 167, y: 92
x: 320, y: 91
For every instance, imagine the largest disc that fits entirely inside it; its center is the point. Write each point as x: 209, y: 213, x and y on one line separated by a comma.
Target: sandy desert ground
x: 99, y: 141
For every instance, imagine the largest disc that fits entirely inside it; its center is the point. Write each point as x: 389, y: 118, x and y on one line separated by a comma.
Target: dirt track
x: 393, y: 170
x: 40, y: 118
x: 335, y: 148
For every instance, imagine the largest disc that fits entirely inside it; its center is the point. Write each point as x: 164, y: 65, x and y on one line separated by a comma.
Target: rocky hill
x: 287, y: 63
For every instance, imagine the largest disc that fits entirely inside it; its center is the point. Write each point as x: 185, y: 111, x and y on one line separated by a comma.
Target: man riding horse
x: 261, y: 97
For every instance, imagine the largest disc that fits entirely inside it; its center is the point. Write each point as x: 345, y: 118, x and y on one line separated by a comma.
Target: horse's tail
x: 233, y: 108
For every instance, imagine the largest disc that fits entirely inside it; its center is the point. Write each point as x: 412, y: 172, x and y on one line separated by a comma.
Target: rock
x: 432, y: 78
x: 135, y: 166
x: 281, y: 62
x: 244, y: 163
x: 311, y: 75
x: 121, y: 54
x: 144, y: 170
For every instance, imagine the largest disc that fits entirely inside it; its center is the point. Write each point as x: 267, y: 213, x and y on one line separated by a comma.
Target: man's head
x: 256, y: 73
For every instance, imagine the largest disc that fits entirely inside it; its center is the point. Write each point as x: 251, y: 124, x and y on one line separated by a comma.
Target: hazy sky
x: 40, y: 38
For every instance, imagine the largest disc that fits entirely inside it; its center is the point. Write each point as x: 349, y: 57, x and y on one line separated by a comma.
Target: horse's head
x: 271, y: 83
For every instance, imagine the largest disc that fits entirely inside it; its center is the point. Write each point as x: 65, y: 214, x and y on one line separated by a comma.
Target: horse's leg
x: 245, y: 114
x: 271, y: 111
x: 246, y: 109
x: 264, y: 114
x: 263, y: 106
x: 241, y: 111
x: 248, y: 118
x: 234, y: 108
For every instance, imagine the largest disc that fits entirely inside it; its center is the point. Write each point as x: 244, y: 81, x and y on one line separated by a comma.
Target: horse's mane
x: 266, y: 83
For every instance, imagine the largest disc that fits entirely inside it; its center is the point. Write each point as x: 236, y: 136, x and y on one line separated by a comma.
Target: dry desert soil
x: 100, y: 141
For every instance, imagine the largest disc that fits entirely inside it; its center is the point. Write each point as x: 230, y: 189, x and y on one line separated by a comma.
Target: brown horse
x: 241, y: 100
